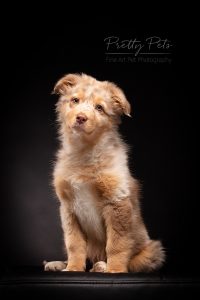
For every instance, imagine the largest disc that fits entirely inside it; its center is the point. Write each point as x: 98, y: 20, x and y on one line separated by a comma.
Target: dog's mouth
x: 82, y: 128
x: 78, y: 126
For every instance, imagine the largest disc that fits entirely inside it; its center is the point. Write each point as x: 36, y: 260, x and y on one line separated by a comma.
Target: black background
x: 161, y: 135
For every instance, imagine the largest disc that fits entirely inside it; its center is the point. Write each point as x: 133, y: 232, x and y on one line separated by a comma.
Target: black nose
x: 81, y: 118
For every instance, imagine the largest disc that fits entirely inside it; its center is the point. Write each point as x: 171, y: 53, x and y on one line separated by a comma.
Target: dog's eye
x: 75, y: 100
x: 99, y: 107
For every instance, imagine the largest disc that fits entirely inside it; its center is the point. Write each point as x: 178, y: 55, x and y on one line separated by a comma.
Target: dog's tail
x: 149, y: 258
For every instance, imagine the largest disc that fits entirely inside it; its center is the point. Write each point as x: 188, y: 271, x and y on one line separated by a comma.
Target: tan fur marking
x: 106, y: 185
x: 74, y: 240
x: 119, y: 228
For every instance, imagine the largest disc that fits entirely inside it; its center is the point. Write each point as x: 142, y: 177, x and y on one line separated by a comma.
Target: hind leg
x: 99, y: 266
x: 55, y: 265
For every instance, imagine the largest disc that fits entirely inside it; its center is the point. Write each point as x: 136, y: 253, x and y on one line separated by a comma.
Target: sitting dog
x: 99, y: 198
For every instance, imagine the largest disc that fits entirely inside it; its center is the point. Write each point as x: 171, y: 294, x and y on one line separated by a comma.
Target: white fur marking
x: 86, y: 211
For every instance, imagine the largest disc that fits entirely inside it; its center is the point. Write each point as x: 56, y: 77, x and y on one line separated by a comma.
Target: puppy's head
x: 87, y: 106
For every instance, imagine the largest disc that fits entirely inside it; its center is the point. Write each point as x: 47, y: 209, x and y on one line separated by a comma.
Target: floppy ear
x: 65, y: 83
x: 121, y: 104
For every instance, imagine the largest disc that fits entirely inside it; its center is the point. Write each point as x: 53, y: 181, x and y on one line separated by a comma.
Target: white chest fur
x: 87, y: 212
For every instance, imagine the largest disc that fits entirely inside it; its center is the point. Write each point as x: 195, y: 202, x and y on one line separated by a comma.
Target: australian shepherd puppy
x: 99, y: 198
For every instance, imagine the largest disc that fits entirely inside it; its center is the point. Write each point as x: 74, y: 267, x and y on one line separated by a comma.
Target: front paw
x: 74, y: 268
x: 116, y: 270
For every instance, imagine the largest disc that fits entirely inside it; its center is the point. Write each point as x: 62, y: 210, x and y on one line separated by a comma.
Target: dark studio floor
x: 33, y: 283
